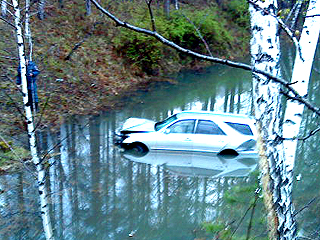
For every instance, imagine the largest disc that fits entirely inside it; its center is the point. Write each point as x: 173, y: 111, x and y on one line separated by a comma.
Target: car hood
x: 138, y: 125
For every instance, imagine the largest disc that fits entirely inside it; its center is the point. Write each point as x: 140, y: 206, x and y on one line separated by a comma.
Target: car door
x: 177, y: 136
x: 209, y: 137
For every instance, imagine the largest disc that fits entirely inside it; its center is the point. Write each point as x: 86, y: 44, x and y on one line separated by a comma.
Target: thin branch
x: 297, y: 12
x: 11, y: 24
x: 291, y: 12
x: 42, y: 114
x: 240, y: 221
x: 315, y: 15
x: 254, y: 204
x: 311, y: 133
x: 148, y: 2
x: 304, y: 207
x: 8, y: 3
x: 17, y: 156
x: 16, y: 106
x: 200, y: 35
x: 77, y: 45
x: 300, y: 99
x: 10, y: 58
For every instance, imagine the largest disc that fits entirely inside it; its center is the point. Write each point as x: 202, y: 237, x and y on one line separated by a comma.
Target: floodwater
x: 99, y: 192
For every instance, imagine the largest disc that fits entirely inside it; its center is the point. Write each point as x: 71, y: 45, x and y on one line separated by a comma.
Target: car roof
x: 216, y: 115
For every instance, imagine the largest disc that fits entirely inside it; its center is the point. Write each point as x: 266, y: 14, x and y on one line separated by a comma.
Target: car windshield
x: 165, y: 122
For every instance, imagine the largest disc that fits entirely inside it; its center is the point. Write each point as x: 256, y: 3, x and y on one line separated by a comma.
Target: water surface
x: 99, y: 192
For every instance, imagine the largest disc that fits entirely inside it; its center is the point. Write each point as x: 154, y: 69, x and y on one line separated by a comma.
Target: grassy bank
x: 87, y: 64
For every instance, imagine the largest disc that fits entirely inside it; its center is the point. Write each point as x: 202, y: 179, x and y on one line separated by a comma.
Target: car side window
x: 208, y: 127
x: 242, y: 128
x: 183, y: 126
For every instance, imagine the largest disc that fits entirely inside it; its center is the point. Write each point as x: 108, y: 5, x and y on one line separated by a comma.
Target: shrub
x: 145, y: 52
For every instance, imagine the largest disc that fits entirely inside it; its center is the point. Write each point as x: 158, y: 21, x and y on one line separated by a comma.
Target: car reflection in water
x: 198, y: 164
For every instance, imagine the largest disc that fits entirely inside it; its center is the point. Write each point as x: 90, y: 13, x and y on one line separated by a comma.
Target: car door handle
x: 188, y: 139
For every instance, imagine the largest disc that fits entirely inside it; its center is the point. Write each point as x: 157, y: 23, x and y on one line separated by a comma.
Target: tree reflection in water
x: 98, y: 193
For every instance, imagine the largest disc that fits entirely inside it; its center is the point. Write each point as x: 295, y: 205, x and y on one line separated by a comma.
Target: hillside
x: 87, y: 64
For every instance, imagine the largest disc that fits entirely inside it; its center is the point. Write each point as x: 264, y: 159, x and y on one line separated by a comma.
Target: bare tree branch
x: 10, y: 58
x: 306, y: 206
x: 291, y: 12
x: 300, y: 99
x: 148, y: 2
x: 294, y: 94
x: 17, y: 156
x: 311, y: 133
x: 6, y: 21
x: 78, y: 44
x: 296, y: 15
x: 199, y: 34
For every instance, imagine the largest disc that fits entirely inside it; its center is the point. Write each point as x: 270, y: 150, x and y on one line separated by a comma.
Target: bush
x: 146, y: 53
x: 238, y: 10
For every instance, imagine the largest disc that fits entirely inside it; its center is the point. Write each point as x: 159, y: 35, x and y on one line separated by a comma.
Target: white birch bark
x: 41, y: 6
x: 30, y: 128
x: 300, y: 80
x: 3, y: 8
x: 27, y: 29
x: 296, y: 14
x: 265, y: 52
x: 176, y: 4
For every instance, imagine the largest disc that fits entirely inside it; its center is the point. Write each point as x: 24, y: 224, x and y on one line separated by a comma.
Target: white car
x: 200, y: 131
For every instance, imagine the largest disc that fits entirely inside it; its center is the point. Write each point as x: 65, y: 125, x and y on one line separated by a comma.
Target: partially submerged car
x: 195, y: 131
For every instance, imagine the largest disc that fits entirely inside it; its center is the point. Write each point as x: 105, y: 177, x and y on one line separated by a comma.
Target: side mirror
x: 167, y: 131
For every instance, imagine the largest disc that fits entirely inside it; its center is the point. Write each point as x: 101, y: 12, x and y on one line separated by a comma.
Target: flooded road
x: 100, y: 192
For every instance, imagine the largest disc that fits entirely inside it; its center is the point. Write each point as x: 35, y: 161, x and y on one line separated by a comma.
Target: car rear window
x: 208, y: 127
x: 241, y: 128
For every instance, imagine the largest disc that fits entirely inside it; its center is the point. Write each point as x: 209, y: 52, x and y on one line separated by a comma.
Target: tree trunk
x: 41, y: 5
x: 3, y: 8
x: 166, y: 8
x: 30, y: 128
x: 176, y: 4
x: 27, y: 30
x: 265, y: 52
x: 88, y: 7
x: 300, y: 81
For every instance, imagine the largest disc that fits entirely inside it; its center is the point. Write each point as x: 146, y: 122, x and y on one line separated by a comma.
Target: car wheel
x: 228, y: 153
x: 139, y: 149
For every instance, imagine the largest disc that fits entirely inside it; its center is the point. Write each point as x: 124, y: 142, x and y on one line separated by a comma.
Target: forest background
x: 88, y: 65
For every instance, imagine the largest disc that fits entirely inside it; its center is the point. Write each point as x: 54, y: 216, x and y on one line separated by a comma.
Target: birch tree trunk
x: 41, y: 5
x: 30, y: 128
x: 300, y: 80
x: 3, y: 8
x: 265, y: 52
x: 27, y: 29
